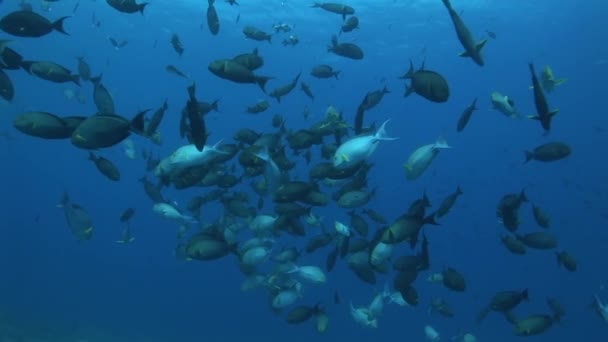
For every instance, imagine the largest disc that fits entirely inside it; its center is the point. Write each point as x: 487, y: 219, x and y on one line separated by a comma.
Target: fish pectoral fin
x: 480, y: 45
x: 534, y: 117
x: 560, y: 81
x: 464, y: 54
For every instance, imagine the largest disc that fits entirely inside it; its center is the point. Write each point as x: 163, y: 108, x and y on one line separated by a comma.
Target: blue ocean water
x: 55, y: 288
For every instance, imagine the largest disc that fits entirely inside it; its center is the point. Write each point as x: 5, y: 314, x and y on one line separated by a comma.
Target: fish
x: 188, y: 156
x: 84, y: 70
x: 42, y: 125
x: 548, y: 152
x: 7, y: 90
x: 548, y: 80
x: 30, y: 24
x: 198, y: 130
x: 105, y: 166
x: 213, y: 20
x: 127, y: 6
x: 348, y: 50
x: 78, y: 219
x: 170, y: 212
x: 272, y: 173
x: 50, y: 71
x: 422, y: 158
x: 102, y: 97
x: 177, y: 45
x: 373, y: 98
x: 283, y: 90
x: 102, y: 131
x: 504, y: 104
x: 533, y: 325
x: 259, y: 107
x: 466, y: 116
x: 306, y: 89
x: 126, y: 237
x: 543, y: 113
x: 230, y: 70
x: 324, y: 71
x: 252, y: 60
x: 350, y: 24
x: 336, y: 8
x: 427, y: 83
x: 127, y: 215
x: 174, y: 70
x: 254, y: 33
x: 471, y: 48
x: 359, y: 148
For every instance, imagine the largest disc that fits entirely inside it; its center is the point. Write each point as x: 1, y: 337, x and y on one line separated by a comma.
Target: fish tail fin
x: 553, y: 113
x: 96, y: 79
x: 531, y: 67
x: 337, y: 74
x: 386, y: 291
x: 214, y: 105
x: 261, y: 82
x: 264, y: 154
x: 474, y: 104
x: 142, y: 7
x: 26, y: 65
x: 481, y: 44
x: 3, y: 44
x: 190, y: 219
x: 523, y: 197
x: 431, y: 219
x: 441, y: 143
x: 216, y: 147
x: 64, y: 200
x: 410, y: 73
x: 524, y: 295
x: 528, y: 156
x: 293, y: 268
x: 92, y: 156
x: 558, y: 258
x: 381, y: 133
x: 138, y: 122
x: 534, y: 117
x: 76, y: 79
x: 409, y: 89
x: 459, y: 190
x: 58, y: 25
x: 557, y: 82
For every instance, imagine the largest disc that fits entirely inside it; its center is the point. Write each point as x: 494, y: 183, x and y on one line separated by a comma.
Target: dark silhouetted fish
x: 471, y: 49
x: 30, y: 24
